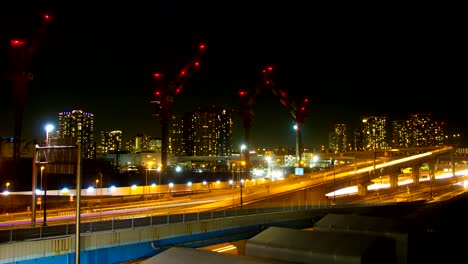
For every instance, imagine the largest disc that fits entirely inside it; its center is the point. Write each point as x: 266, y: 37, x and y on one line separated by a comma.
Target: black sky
x: 100, y: 58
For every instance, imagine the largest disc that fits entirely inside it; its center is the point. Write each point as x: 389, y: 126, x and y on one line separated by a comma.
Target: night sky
x: 100, y: 58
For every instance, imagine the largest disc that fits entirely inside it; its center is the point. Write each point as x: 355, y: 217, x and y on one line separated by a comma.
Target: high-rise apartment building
x: 111, y: 142
x: 374, y: 132
x: 205, y: 132
x: 421, y: 128
x: 339, y: 138
x: 401, y: 134
x: 78, y: 126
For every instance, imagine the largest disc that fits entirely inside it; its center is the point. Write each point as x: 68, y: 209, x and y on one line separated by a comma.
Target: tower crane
x: 167, y: 88
x: 247, y: 98
x: 21, y: 50
x: 299, y: 111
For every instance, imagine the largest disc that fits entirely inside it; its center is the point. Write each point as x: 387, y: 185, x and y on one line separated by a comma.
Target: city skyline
x: 104, y: 65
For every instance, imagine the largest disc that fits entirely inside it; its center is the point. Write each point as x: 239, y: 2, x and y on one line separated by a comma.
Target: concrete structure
x: 191, y: 255
x: 369, y: 226
x: 302, y: 246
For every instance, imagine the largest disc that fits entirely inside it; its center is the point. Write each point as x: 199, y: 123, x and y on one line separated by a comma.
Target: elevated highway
x: 215, y: 222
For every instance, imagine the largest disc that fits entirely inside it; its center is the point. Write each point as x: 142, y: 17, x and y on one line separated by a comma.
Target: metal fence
x: 112, y: 223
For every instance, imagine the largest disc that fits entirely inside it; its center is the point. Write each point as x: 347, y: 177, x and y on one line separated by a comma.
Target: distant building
x: 111, y: 142
x: 421, y: 129
x: 339, y: 138
x: 78, y: 126
x: 143, y: 143
x: 374, y: 132
x: 401, y: 134
x: 204, y: 132
x: 6, y: 148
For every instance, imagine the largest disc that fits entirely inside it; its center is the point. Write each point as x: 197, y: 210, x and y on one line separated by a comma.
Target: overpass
x: 125, y: 239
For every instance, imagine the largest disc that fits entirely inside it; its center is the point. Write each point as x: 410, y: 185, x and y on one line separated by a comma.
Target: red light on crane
x: 46, y: 16
x: 202, y: 46
x: 157, y: 93
x: 17, y: 42
x: 178, y: 89
x: 157, y: 75
x: 270, y: 68
x: 242, y: 93
x: 183, y: 72
x: 196, y: 63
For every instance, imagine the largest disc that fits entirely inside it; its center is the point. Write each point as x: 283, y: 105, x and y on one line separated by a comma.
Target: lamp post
x: 334, y: 184
x: 42, y: 190
x: 100, y: 180
x: 7, y: 192
x: 159, y: 187
x: 44, y: 201
x: 233, y: 169
x: 148, y: 169
x: 48, y: 128
x: 241, y: 183
x: 242, y: 147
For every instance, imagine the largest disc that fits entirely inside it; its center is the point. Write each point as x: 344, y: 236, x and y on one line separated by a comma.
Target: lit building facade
x: 339, y: 138
x: 205, y: 132
x: 78, y: 126
x: 111, y: 142
x: 401, y: 134
x: 374, y: 132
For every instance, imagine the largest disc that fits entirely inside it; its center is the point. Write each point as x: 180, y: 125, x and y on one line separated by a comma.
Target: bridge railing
x: 113, y: 223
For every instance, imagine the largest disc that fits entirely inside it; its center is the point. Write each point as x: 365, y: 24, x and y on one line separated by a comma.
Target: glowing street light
x: 7, y: 185
x: 243, y: 146
x: 48, y: 128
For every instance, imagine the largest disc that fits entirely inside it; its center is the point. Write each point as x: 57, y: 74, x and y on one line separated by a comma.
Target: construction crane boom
x: 247, y: 98
x: 164, y: 94
x: 298, y: 111
x: 22, y: 49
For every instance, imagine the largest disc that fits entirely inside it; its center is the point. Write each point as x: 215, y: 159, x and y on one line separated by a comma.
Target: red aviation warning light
x: 17, y: 42
x: 242, y: 93
x: 157, y: 75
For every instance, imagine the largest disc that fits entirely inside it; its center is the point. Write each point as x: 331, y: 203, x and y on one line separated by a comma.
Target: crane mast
x: 298, y: 111
x: 247, y: 98
x: 164, y: 94
x: 21, y: 50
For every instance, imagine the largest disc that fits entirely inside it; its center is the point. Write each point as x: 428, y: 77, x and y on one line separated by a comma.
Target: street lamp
x: 233, y: 168
x: 48, y: 128
x: 243, y: 146
x: 42, y: 190
x: 159, y: 187
x: 100, y: 180
x: 241, y: 183
x: 148, y: 169
x: 7, y: 185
